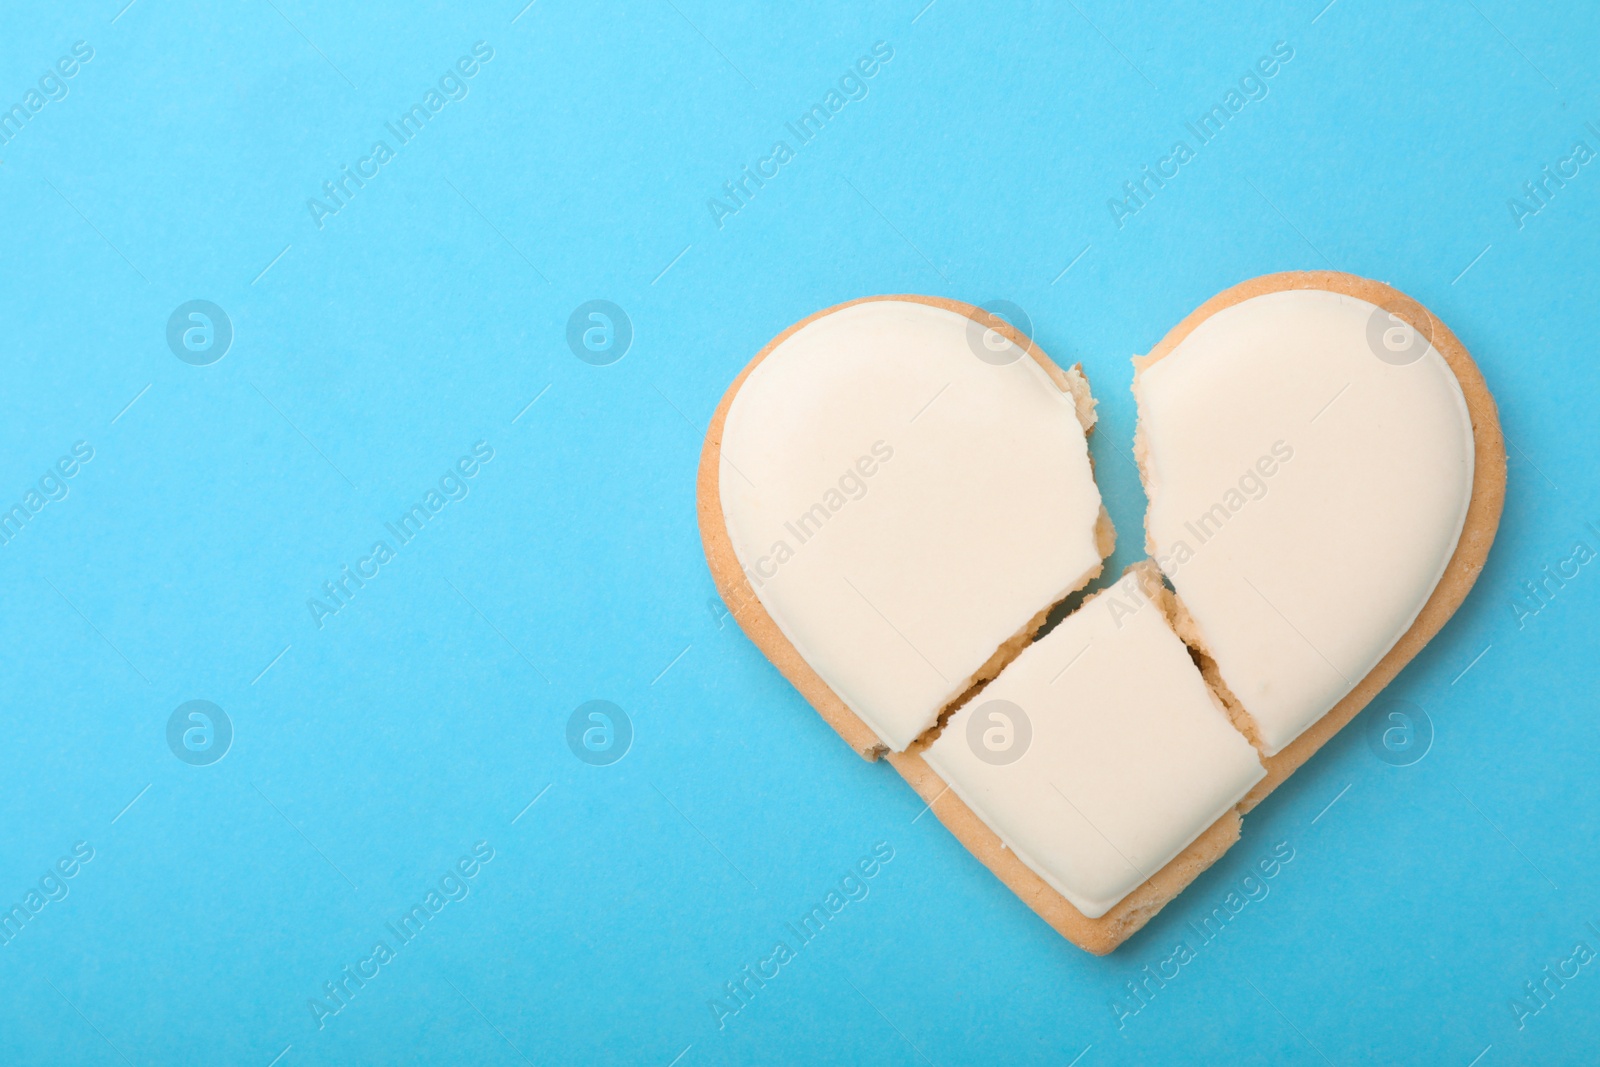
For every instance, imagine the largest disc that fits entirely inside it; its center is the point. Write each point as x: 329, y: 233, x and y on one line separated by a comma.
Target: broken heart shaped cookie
x: 896, y: 493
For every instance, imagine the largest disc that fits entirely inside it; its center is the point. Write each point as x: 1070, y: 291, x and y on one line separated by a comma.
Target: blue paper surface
x: 361, y: 337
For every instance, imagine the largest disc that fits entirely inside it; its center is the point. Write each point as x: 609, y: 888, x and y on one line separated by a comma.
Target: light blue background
x: 424, y: 717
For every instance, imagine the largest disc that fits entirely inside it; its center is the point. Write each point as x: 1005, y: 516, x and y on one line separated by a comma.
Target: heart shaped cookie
x: 896, y: 492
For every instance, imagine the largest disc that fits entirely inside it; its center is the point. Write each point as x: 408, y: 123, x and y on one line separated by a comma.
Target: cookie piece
x: 1400, y: 336
x: 1308, y: 485
x: 893, y: 494
x: 1099, y: 754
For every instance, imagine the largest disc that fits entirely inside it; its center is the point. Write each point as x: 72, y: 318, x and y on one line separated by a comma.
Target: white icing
x: 979, y: 511
x: 1300, y: 592
x: 1130, y: 758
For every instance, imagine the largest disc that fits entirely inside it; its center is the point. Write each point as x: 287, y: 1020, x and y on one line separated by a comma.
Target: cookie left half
x: 892, y: 496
